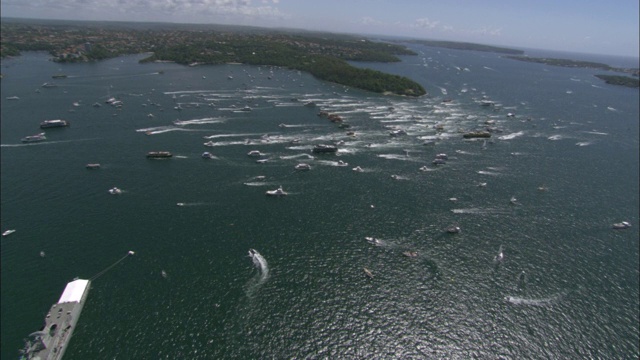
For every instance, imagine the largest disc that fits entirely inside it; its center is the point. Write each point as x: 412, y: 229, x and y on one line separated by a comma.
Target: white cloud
x: 170, y: 9
x: 425, y: 23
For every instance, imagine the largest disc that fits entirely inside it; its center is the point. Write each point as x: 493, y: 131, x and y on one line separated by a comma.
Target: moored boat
x: 54, y: 123
x: 159, y: 154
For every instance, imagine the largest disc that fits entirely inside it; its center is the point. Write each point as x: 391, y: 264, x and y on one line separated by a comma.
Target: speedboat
x: 277, y: 192
x: 453, y: 229
x: 442, y: 156
x: 34, y: 138
x: 439, y: 162
x: 209, y: 143
x: 93, y: 166
x: 303, y: 166
x: 254, y: 153
x: 621, y: 225
x: 398, y: 132
x: 513, y: 200
x: 8, y: 232
x: 115, y: 191
x: 410, y: 254
x: 342, y: 163
x: 207, y: 155
x: 180, y: 204
x: 368, y: 273
x: 357, y: 169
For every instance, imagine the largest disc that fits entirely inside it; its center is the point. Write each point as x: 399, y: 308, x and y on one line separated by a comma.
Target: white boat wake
x: 532, y: 302
x: 260, y: 262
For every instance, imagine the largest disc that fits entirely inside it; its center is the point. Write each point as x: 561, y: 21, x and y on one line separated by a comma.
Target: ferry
x: 322, y: 148
x: 477, y: 134
x: 54, y: 123
x: 34, y: 138
x: 159, y: 155
x: 51, y: 341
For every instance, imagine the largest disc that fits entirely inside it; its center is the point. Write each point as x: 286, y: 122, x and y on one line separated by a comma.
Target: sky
x: 585, y: 26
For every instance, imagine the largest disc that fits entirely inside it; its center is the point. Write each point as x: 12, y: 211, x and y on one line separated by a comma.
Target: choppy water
x: 569, y: 158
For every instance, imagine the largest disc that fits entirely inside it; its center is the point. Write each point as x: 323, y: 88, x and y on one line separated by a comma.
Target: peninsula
x: 609, y: 79
x: 325, y: 56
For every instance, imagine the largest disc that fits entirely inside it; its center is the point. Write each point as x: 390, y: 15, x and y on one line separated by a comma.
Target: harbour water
x: 546, y: 187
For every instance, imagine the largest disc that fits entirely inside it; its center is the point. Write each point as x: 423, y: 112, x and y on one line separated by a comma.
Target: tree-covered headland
x: 326, y: 56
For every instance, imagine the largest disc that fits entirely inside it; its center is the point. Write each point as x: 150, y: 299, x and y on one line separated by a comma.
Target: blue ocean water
x: 568, y: 158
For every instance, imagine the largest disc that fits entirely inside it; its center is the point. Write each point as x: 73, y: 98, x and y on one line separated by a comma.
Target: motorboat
x: 453, y: 229
x: 342, y: 163
x: 93, y: 166
x: 8, y: 232
x: 262, y: 161
x: 254, y: 153
x: 398, y: 132
x: 442, y: 156
x: 439, y: 162
x: 209, y: 143
x: 513, y: 200
x: 207, y: 155
x: 410, y: 254
x: 368, y: 273
x: 621, y: 225
x: 323, y: 148
x: 180, y: 204
x: 34, y: 138
x: 303, y: 166
x: 373, y: 240
x: 54, y: 123
x: 12, y: 98
x: 357, y: 169
x: 115, y: 191
x: 277, y: 192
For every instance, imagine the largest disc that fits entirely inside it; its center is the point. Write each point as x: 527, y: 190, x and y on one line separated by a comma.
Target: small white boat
x: 368, y: 273
x: 342, y: 163
x: 513, y: 200
x: 115, y: 191
x: 12, y: 98
x: 500, y: 255
x: 93, y: 166
x: 357, y: 169
x: 8, y: 232
x: 180, y: 204
x: 42, y: 254
x: 209, y: 143
x: 621, y: 225
x: 303, y: 166
x: 262, y: 161
x: 131, y: 252
x: 254, y: 153
x: 277, y: 192
x: 207, y: 155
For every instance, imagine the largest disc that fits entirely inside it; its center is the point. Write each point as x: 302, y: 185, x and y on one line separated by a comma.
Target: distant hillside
x: 467, y: 46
